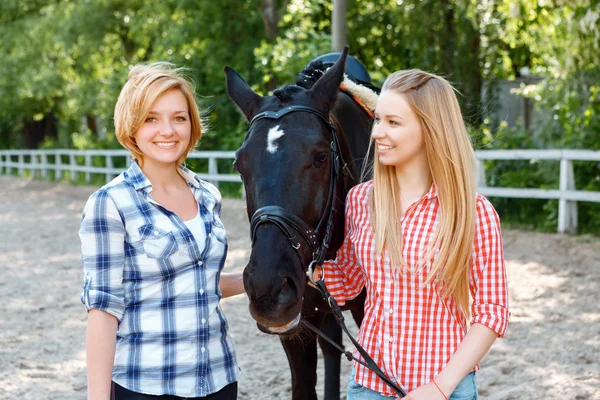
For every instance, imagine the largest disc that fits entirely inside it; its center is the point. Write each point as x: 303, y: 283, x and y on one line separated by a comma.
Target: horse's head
x: 287, y: 164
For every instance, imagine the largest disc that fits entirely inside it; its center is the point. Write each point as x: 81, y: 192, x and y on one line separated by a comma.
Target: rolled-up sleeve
x: 488, y: 273
x: 343, y: 276
x: 102, y: 234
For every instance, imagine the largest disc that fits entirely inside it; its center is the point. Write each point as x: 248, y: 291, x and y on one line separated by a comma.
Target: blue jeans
x: 466, y: 390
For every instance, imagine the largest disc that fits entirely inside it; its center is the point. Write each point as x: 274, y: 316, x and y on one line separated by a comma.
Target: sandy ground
x: 551, y: 351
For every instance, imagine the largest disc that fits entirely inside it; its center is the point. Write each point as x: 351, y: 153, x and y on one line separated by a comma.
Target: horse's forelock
x: 286, y: 93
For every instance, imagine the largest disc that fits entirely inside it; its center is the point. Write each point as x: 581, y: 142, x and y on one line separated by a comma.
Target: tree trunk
x: 338, y: 25
x: 91, y: 123
x: 448, y: 39
x: 271, y: 16
x: 476, y: 111
x: 34, y: 132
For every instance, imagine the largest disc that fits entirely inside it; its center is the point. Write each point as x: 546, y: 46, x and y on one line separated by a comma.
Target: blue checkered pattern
x: 142, y: 265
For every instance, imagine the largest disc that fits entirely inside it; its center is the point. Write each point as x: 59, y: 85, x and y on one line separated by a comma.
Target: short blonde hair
x: 146, y: 82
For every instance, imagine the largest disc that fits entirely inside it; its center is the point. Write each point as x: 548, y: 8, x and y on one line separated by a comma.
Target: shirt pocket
x: 158, y: 243
x: 218, y: 229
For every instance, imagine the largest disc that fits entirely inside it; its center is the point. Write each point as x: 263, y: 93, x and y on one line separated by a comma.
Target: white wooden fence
x: 566, y: 194
x: 37, y: 162
x: 40, y: 162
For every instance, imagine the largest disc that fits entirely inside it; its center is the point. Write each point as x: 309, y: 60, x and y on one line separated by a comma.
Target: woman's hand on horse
x: 316, y: 275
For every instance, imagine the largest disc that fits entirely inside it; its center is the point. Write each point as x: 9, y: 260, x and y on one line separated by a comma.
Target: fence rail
x: 40, y: 160
x: 567, y: 196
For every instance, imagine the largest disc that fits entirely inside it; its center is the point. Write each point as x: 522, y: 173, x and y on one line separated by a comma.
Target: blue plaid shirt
x: 142, y: 265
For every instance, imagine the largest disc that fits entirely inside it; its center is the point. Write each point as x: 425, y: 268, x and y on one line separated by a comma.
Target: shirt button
x: 390, y: 339
x: 200, y: 262
x: 201, y: 291
x: 156, y: 232
x: 391, y: 311
x: 203, y: 320
x: 203, y: 349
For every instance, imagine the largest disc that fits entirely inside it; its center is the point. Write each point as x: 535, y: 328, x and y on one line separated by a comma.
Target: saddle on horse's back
x: 354, y: 69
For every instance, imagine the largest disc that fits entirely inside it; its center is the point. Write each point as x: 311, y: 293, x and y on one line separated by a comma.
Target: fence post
x: 88, y: 163
x: 72, y: 165
x: 213, y: 170
x: 109, y: 164
x: 44, y: 167
x: 567, y: 210
x: 20, y: 166
x: 33, y: 163
x: 2, y: 163
x: 481, y: 174
x: 57, y: 163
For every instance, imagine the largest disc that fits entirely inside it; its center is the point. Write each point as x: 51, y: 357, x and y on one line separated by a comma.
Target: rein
x: 369, y: 363
x: 292, y: 226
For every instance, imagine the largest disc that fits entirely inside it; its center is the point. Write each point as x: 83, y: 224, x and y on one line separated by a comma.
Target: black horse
x: 296, y: 181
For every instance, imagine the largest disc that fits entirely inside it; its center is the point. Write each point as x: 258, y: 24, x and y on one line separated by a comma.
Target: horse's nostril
x: 288, y: 292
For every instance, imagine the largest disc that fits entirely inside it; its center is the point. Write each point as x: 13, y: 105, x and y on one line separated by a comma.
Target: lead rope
x: 337, y: 312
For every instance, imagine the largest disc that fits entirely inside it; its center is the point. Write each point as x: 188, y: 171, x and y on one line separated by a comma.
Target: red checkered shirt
x: 410, y: 332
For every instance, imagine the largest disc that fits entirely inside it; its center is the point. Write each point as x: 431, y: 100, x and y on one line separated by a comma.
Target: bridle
x: 291, y: 225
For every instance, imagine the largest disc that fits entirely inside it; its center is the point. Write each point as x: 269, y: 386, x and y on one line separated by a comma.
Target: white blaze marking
x: 274, y: 134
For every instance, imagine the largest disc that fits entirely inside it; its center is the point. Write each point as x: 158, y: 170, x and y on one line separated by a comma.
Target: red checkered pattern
x: 408, y: 329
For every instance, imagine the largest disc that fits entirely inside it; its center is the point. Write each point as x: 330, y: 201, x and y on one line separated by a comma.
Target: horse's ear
x: 241, y: 94
x: 325, y: 90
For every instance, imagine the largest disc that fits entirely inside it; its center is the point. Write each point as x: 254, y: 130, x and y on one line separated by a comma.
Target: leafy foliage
x: 64, y: 62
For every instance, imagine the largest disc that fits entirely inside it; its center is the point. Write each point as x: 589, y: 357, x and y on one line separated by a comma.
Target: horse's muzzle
x: 287, y: 329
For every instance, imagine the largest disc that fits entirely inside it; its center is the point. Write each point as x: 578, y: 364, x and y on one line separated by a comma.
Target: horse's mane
x: 311, y: 74
x: 315, y: 70
x: 306, y: 79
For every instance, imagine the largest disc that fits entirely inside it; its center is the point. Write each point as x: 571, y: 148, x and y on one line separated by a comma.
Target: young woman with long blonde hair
x: 425, y: 245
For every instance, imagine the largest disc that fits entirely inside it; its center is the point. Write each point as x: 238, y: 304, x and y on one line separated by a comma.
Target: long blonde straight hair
x: 452, y: 165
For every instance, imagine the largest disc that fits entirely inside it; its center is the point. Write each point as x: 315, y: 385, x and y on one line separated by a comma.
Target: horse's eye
x: 320, y: 159
x: 237, y: 167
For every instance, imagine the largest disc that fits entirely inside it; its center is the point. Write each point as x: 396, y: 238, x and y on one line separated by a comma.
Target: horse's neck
x: 354, y: 130
x: 353, y: 127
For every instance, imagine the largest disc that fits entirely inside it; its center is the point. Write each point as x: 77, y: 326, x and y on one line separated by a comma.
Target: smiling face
x: 397, y: 131
x: 165, y: 133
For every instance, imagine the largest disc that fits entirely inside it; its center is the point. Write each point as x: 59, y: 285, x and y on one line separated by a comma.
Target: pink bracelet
x: 436, y: 385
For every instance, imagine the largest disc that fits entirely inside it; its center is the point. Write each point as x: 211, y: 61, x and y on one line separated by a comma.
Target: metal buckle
x: 309, y: 272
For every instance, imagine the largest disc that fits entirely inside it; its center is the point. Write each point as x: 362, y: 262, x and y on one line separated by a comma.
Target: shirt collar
x: 432, y: 192
x: 136, y: 177
x: 190, y: 177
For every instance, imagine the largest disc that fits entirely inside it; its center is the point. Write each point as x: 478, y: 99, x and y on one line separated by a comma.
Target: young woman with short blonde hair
x: 153, y: 248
